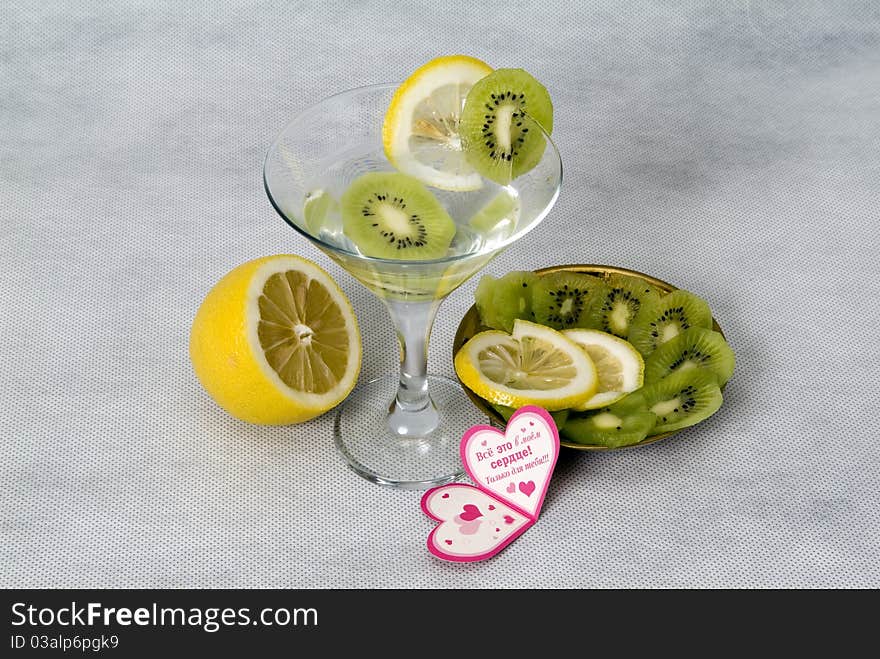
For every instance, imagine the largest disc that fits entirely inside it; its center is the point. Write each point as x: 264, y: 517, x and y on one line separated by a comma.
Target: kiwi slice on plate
x: 563, y: 300
x: 696, y: 347
x: 667, y: 317
x: 389, y: 215
x: 559, y: 416
x: 501, y: 124
x: 622, y: 424
x: 623, y: 298
x: 502, y: 301
x: 682, y: 399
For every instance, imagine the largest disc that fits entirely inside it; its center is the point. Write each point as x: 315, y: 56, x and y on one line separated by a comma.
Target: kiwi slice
x: 501, y: 124
x: 562, y: 300
x: 681, y: 399
x: 696, y: 347
x: 502, y: 301
x: 622, y: 424
x: 389, y: 215
x: 317, y: 205
x: 667, y: 317
x: 559, y: 416
x: 624, y: 297
x: 499, y: 216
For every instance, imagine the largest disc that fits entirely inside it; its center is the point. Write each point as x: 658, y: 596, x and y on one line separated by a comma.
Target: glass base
x: 382, y: 456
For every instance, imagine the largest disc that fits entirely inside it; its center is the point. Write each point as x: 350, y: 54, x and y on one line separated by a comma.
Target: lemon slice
x: 535, y: 365
x: 276, y: 341
x: 420, y: 132
x: 620, y: 366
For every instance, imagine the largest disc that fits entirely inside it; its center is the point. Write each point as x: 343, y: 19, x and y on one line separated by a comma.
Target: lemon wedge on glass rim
x: 534, y: 365
x: 620, y: 367
x: 276, y: 341
x: 420, y: 131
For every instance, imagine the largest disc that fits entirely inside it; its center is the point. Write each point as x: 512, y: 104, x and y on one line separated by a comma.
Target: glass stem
x: 413, y: 414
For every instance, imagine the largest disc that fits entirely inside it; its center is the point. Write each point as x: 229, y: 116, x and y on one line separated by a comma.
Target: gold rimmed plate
x: 470, y: 325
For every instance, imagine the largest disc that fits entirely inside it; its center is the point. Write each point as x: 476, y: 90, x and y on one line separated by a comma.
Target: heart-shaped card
x: 511, y: 471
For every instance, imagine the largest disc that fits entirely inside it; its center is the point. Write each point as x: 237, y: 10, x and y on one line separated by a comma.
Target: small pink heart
x: 445, y: 496
x: 470, y: 528
x: 471, y: 512
x: 449, y: 542
x: 497, y: 530
x: 527, y: 488
x: 491, y: 507
x: 511, y: 488
x: 508, y: 519
x: 483, y: 443
x: 531, y: 423
x: 522, y: 429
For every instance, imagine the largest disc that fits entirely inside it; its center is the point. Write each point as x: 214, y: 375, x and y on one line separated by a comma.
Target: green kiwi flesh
x: 666, y: 317
x: 501, y: 124
x: 501, y: 301
x: 681, y: 399
x: 624, y: 297
x: 621, y: 424
x: 696, y: 347
x: 390, y: 215
x: 500, y: 214
x: 559, y: 416
x: 316, y: 207
x: 563, y: 300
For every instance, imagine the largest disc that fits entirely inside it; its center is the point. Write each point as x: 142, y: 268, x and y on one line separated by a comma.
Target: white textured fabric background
x: 730, y: 148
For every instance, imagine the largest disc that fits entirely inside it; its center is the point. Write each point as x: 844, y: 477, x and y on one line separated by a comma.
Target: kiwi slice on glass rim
x: 623, y: 298
x: 501, y: 124
x: 667, y: 317
x: 390, y: 215
x: 696, y: 347
x: 563, y: 300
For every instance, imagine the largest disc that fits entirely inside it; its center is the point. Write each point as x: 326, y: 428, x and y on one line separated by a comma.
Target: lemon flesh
x: 535, y: 365
x: 619, y: 366
x: 276, y: 342
x: 420, y: 132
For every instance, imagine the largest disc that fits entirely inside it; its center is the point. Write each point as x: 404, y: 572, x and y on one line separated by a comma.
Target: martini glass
x: 404, y: 429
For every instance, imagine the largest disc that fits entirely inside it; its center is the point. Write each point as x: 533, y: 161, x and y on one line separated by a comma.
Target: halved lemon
x: 534, y: 365
x: 276, y: 341
x: 420, y: 131
x: 620, y: 366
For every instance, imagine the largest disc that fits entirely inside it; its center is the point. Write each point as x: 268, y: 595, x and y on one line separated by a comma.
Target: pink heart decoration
x: 469, y: 528
x: 474, y: 540
x: 527, y: 488
x: 508, y: 469
x: 525, y: 453
x: 470, y: 512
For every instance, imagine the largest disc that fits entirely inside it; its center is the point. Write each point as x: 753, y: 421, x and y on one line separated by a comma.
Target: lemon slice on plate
x: 276, y: 341
x: 620, y: 366
x: 535, y: 365
x: 420, y: 132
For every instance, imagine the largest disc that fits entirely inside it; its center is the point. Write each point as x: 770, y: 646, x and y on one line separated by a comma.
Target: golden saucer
x: 470, y: 325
